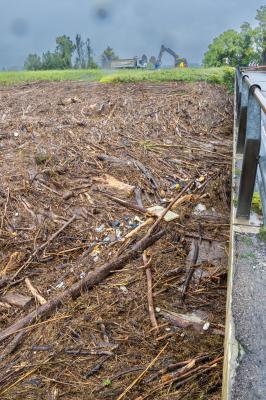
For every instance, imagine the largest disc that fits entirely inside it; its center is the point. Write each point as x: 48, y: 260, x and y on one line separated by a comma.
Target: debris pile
x: 114, y: 223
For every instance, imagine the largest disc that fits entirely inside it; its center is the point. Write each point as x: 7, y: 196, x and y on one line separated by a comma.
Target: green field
x: 14, y: 77
x: 213, y: 75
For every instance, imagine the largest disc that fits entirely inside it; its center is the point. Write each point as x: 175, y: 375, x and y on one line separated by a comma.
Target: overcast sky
x: 131, y: 27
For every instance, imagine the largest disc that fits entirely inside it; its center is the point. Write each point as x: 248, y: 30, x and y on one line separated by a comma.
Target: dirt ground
x: 61, y: 146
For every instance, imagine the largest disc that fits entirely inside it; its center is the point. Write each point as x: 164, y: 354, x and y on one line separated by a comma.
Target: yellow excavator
x: 178, y: 62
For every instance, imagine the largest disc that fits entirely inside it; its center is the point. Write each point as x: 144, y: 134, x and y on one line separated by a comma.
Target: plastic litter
x: 201, y: 179
x: 200, y: 208
x: 206, y: 326
x: 116, y: 223
x: 158, y: 210
x: 123, y: 289
x: 60, y: 285
x: 100, y: 228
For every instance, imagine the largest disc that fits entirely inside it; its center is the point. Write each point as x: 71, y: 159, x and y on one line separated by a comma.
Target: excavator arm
x: 179, y: 62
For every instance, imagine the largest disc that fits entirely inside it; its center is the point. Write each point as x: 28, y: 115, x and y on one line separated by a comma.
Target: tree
x: 225, y: 49
x: 260, y: 33
x: 52, y: 60
x: 144, y: 60
x: 249, y: 52
x: 61, y: 57
x: 108, y: 56
x: 89, y: 57
x: 33, y: 62
x: 152, y: 60
x: 80, y: 59
x: 64, y: 50
x: 239, y: 48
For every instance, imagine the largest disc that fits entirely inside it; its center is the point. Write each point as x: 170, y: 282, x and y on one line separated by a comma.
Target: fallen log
x: 91, y: 279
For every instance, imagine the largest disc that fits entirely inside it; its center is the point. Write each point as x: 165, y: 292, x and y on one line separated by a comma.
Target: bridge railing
x: 251, y: 142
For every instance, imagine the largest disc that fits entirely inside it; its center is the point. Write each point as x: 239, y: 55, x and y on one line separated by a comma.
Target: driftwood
x: 124, y: 203
x: 191, y: 269
x: 35, y: 292
x: 91, y: 279
x: 149, y: 291
x: 131, y: 163
x: 115, y: 160
x: 16, y: 299
x: 138, y: 197
x: 113, y: 184
x: 147, y: 173
x: 15, y: 342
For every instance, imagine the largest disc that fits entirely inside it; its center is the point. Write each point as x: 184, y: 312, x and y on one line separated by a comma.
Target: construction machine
x: 178, y: 62
x: 128, y: 63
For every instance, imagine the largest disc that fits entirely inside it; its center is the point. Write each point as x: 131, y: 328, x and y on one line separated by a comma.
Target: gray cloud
x: 132, y: 27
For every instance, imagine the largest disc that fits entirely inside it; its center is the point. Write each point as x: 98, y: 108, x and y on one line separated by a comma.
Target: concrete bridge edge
x: 239, y: 230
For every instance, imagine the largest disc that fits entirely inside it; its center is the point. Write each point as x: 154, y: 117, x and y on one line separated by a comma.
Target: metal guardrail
x: 251, y: 142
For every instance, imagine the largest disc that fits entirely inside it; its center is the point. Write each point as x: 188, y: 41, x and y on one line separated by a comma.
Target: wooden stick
x: 142, y: 374
x: 12, y: 345
x: 187, y: 375
x: 35, y: 292
x: 5, y: 209
x: 146, y: 172
x: 185, y: 381
x: 92, y: 278
x: 184, y: 373
x: 138, y: 197
x: 126, y: 204
x: 115, y: 160
x: 191, y: 269
x: 138, y: 228
x: 149, y: 290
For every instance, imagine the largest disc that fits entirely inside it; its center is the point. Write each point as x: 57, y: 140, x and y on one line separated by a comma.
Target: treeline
x: 69, y: 54
x: 246, y: 47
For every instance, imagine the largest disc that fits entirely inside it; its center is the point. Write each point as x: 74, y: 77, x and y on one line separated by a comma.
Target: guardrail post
x: 242, y: 125
x: 251, y: 156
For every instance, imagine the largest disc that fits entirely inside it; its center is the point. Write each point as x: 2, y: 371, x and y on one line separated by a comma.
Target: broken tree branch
x: 149, y: 290
x: 191, y: 269
x: 146, y: 172
x: 126, y: 204
x: 35, y: 292
x: 5, y: 209
x: 13, y: 345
